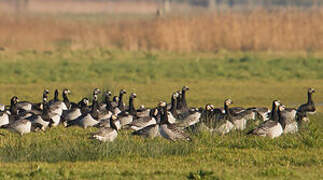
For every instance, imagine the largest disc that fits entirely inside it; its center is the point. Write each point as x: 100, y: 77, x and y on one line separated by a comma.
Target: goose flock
x: 168, y: 120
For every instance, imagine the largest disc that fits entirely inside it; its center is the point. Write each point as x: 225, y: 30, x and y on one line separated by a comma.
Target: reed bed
x: 258, y: 30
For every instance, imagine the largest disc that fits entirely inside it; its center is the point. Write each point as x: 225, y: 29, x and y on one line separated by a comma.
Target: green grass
x: 249, y: 79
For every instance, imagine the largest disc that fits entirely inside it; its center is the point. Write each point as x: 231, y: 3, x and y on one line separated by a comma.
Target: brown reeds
x: 259, y: 30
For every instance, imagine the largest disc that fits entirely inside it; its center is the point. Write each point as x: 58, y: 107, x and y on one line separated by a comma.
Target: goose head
x: 108, y: 93
x: 162, y: 104
x: 281, y: 108
x: 66, y: 91
x: 96, y: 91
x: 84, y: 102
x: 14, y: 100
x: 175, y: 95
x: 311, y: 90
x: 142, y: 107
x: 276, y: 103
x: 185, y: 88
x: 133, y: 95
x: 45, y: 92
x: 123, y: 91
x: 209, y: 107
x: 228, y: 102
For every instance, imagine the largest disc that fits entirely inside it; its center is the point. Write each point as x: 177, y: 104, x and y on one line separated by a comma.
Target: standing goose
x: 182, y: 104
x: 107, y: 134
x: 271, y: 128
x: 121, y: 105
x: 170, y: 131
x: 308, y: 107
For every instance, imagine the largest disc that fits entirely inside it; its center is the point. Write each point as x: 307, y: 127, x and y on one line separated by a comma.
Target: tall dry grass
x: 259, y: 30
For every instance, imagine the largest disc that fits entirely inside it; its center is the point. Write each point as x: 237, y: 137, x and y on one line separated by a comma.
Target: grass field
x: 250, y: 79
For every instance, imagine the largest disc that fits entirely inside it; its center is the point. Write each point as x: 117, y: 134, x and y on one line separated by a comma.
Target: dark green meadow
x: 250, y: 79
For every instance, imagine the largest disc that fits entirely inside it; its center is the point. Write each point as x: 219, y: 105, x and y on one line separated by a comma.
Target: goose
x: 107, y: 122
x: 4, y: 118
x: 168, y: 130
x: 121, y: 105
x: 271, y: 128
x: 90, y: 119
x: 27, y: 106
x: 262, y: 112
x: 308, y: 107
x: 107, y: 134
x: 143, y: 112
x: 55, y: 99
x: 193, y: 118
x: 239, y: 119
x: 76, y: 112
x: 173, y: 112
x: 289, y: 125
x: 182, y: 108
x: 106, y: 104
x: 144, y: 121
x: 131, y: 109
x: 2, y: 107
x: 221, y: 123
x: 41, y: 118
x: 59, y: 106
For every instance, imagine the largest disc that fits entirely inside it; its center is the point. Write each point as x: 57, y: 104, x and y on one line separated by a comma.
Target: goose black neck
x: 163, y: 116
x: 94, y: 110
x: 13, y: 108
x: 309, y: 98
x: 120, y: 103
x: 112, y: 125
x: 108, y: 103
x: 178, y: 105
x: 131, y: 109
x: 173, y: 106
x: 66, y: 100
x: 227, y: 112
x: 56, y: 95
x: 273, y: 113
x: 184, y: 99
x: 280, y: 119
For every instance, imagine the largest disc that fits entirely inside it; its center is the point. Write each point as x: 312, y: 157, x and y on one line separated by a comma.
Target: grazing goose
x: 107, y: 134
x: 271, y: 128
x: 144, y: 121
x: 168, y: 130
x: 308, y: 107
x: 121, y: 105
